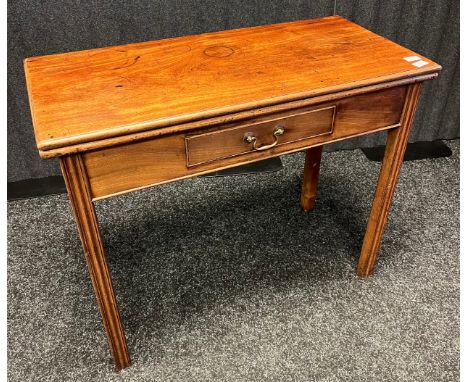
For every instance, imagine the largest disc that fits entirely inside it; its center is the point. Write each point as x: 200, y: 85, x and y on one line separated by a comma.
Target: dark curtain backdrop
x: 429, y: 27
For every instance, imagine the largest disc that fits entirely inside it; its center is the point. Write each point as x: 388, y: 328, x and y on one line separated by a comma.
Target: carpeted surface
x: 226, y: 279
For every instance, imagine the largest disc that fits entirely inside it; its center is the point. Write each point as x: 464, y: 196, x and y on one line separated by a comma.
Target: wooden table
x: 132, y: 116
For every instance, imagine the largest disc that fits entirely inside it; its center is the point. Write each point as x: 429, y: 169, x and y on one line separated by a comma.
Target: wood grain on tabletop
x: 108, y: 92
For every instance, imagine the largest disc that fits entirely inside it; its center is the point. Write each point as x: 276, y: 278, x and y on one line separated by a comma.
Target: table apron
x: 116, y: 170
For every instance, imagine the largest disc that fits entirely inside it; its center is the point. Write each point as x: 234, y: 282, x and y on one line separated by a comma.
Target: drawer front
x: 144, y: 163
x: 221, y: 144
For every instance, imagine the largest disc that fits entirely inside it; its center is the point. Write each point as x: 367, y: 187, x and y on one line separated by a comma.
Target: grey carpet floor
x: 226, y: 279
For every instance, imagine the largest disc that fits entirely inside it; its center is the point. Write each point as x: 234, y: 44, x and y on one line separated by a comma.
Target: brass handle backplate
x: 251, y: 138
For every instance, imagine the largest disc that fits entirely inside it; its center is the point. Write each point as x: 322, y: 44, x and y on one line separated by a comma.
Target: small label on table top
x: 420, y: 63
x: 411, y: 58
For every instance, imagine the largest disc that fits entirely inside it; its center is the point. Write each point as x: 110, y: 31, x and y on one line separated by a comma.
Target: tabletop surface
x: 95, y: 94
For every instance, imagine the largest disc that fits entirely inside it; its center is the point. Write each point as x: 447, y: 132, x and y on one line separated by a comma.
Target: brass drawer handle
x: 250, y: 138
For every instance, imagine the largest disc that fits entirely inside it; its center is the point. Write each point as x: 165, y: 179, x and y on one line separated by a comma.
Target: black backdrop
x: 429, y: 27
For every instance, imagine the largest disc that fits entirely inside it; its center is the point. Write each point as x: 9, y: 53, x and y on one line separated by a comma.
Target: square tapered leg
x: 393, y: 158
x: 86, y: 221
x: 310, y: 178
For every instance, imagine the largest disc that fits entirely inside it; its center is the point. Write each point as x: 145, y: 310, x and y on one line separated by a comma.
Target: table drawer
x: 261, y: 136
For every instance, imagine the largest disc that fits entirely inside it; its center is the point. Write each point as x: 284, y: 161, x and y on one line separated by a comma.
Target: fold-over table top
x: 102, y: 93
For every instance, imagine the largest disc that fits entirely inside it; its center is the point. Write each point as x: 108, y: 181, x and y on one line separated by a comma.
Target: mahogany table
x: 127, y: 117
